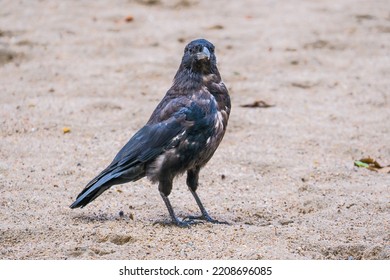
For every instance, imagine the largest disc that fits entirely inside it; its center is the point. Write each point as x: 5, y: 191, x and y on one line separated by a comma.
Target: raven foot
x: 180, y: 223
x: 184, y: 223
x: 206, y: 218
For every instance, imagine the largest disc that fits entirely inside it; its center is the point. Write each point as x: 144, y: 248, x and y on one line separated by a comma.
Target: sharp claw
x: 206, y: 218
x: 180, y: 223
x: 184, y: 223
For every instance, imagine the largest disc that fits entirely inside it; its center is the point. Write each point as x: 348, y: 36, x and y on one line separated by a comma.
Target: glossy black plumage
x: 181, y: 135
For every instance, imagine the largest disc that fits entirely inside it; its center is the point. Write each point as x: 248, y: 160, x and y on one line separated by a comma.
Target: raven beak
x: 205, y: 53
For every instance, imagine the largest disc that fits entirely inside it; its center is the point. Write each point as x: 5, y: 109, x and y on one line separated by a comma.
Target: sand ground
x: 284, y: 176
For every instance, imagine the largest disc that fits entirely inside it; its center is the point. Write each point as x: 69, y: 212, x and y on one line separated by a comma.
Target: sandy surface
x: 284, y: 176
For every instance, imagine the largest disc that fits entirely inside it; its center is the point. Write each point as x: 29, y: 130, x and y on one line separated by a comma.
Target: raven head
x: 199, y: 57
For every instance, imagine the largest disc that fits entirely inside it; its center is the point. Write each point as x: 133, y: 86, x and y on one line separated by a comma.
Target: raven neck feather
x: 188, y: 79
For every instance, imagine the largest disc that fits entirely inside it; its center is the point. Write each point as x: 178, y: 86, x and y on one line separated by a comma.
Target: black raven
x: 182, y: 134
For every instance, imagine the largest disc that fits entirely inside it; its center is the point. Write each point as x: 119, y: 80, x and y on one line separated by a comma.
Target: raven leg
x: 165, y: 188
x: 192, y: 183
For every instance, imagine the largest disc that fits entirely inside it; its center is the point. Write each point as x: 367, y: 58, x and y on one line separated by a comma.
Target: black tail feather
x: 91, y: 194
x: 105, y: 180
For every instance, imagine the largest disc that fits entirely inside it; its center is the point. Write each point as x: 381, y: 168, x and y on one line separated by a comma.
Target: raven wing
x: 129, y: 164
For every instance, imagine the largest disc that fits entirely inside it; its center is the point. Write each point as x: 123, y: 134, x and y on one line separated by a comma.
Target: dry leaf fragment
x: 372, y: 165
x: 216, y: 27
x: 304, y: 85
x: 258, y: 104
x: 129, y: 18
